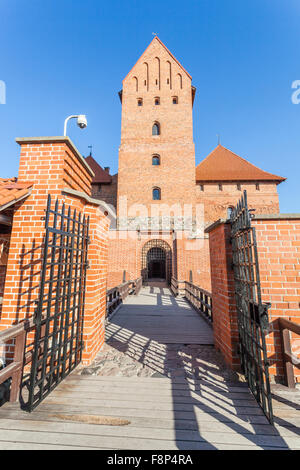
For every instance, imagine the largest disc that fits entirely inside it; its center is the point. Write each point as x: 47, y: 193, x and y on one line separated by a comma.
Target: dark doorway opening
x: 156, y: 263
x: 157, y: 269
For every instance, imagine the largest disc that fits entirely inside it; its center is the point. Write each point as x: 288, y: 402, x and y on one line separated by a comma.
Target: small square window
x: 201, y: 187
x: 220, y: 187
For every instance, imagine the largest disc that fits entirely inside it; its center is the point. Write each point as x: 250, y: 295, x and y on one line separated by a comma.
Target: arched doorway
x: 156, y: 263
x: 156, y: 260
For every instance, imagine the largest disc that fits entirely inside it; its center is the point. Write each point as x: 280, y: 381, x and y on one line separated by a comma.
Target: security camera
x: 81, y: 121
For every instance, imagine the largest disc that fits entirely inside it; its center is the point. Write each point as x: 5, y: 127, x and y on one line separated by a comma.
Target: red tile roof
x: 223, y: 165
x: 101, y: 176
x: 12, y: 191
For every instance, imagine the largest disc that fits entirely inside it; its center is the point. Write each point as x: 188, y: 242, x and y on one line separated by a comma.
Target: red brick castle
x: 163, y: 201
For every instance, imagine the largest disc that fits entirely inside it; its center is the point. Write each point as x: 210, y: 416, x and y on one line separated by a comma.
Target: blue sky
x: 70, y: 56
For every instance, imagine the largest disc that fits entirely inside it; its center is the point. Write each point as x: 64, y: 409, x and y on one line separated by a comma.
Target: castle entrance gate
x: 156, y: 260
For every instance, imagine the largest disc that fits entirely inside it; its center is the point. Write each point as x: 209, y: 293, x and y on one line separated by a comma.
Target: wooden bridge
x: 190, y: 400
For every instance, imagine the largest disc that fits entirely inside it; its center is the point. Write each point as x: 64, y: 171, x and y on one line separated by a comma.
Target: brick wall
x: 4, y: 246
x: 106, y: 192
x: 125, y: 253
x: 278, y: 243
x: 193, y: 255
x: 224, y: 307
x: 216, y: 203
x: 52, y: 165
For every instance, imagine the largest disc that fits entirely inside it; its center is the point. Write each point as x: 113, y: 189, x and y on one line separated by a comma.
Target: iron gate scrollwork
x: 58, y: 344
x: 251, y: 311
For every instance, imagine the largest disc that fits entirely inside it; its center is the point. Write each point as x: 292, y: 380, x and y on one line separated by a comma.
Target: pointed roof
x: 223, y: 165
x: 101, y: 176
x: 156, y: 38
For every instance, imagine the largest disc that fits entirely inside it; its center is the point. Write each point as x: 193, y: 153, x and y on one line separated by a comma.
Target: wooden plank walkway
x: 178, y: 413
x: 156, y: 315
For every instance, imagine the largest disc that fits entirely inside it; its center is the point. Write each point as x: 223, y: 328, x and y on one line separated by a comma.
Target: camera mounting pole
x: 81, y: 122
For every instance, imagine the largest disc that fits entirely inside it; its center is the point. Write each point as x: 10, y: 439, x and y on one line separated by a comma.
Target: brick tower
x: 157, y: 156
x: 163, y: 201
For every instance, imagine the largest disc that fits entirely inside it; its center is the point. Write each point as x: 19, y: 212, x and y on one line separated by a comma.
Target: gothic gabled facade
x: 163, y: 201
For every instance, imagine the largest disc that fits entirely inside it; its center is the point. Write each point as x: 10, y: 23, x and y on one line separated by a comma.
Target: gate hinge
x: 264, y: 316
x: 35, y: 313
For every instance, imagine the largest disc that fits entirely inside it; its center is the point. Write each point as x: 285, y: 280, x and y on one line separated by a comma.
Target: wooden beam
x: 5, y: 220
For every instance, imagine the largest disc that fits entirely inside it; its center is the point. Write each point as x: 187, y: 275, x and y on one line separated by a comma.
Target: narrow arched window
x: 179, y: 80
x: 157, y: 71
x: 157, y: 101
x: 156, y: 129
x: 140, y: 102
x: 156, y: 196
x: 146, y: 81
x: 169, y: 78
x: 156, y: 160
x: 175, y: 100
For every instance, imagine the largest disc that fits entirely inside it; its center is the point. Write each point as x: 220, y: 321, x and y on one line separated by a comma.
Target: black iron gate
x: 58, y: 318
x: 252, y: 313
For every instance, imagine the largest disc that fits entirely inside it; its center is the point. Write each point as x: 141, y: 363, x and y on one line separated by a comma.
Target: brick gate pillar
x: 223, y: 297
x: 54, y: 166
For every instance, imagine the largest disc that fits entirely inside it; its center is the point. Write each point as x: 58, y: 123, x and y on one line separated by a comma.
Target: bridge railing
x: 177, y: 287
x: 116, y: 295
x: 174, y: 286
x: 199, y: 298
x: 290, y: 360
x: 14, y: 370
